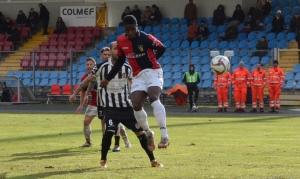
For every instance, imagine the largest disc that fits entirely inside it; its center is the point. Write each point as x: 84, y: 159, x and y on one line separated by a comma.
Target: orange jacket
x: 192, y: 31
x: 276, y: 76
x: 241, y: 77
x: 222, y: 80
x: 258, y: 77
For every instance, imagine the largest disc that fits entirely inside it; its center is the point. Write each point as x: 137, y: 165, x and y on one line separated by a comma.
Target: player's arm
x: 89, y: 89
x: 156, y: 45
x: 198, y: 79
x: 81, y: 102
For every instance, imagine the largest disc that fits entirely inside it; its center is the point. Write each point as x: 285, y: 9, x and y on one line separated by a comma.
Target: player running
x: 142, y: 50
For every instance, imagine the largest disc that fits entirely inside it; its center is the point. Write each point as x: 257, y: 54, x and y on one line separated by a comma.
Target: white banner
x: 78, y: 15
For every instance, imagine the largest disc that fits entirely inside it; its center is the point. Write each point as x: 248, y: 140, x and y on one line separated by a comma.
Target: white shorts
x: 91, y: 111
x: 146, y: 79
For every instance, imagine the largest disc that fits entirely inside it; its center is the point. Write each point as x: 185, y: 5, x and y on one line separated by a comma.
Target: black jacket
x: 203, y: 31
x: 267, y: 8
x: 33, y: 18
x: 61, y: 26
x: 137, y: 15
x: 251, y: 23
x: 219, y: 15
x: 156, y: 15
x: 44, y: 13
x: 21, y: 19
x: 278, y: 23
x: 231, y: 32
x: 5, y: 95
x: 238, y: 15
x: 7, y: 27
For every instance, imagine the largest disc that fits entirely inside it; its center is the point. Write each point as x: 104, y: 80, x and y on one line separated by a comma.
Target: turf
x: 46, y: 146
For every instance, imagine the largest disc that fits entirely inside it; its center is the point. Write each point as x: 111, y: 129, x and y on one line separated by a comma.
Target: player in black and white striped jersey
x: 117, y: 105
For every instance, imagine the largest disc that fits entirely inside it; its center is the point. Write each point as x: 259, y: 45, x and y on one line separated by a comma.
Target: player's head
x: 241, y: 64
x: 258, y: 65
x: 275, y: 63
x: 105, y: 53
x: 3, y: 85
x: 192, y: 68
x: 130, y: 26
x: 89, y: 64
x: 114, y: 50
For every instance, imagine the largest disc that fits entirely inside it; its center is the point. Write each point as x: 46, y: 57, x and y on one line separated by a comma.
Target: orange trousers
x: 257, y: 91
x: 222, y: 92
x: 240, y: 94
x: 274, y: 93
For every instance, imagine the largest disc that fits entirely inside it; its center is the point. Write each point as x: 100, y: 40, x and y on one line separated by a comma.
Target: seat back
x: 67, y: 89
x: 55, y: 89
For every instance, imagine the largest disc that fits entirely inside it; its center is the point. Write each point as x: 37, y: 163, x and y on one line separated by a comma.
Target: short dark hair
x: 40, y: 4
x: 129, y: 20
x: 105, y: 49
x: 263, y: 37
x: 275, y: 62
x: 258, y: 63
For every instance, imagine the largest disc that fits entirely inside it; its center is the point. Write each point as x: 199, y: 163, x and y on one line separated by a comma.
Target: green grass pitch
x: 47, y: 146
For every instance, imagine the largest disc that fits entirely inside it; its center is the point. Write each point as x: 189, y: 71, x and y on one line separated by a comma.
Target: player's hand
x: 104, y: 83
x: 79, y: 109
x: 72, y: 99
x: 85, y: 99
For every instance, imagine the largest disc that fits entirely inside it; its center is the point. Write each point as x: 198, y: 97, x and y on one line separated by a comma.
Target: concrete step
x: 10, y: 64
x: 9, y: 68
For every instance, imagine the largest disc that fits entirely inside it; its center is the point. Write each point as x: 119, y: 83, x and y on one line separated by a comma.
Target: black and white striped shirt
x: 116, y: 94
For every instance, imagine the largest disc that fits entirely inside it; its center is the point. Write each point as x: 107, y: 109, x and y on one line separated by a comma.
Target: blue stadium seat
x: 268, y: 28
x: 167, y: 83
x: 166, y: 60
x: 195, y: 60
x: 206, y: 84
x: 167, y: 75
x: 297, y: 77
x: 174, y: 20
x: 183, y: 21
x: 80, y: 74
x: 197, y: 68
x: 111, y: 37
x: 212, y: 36
x: 81, y: 68
x: 92, y: 53
x: 206, y: 76
x: 285, y: 11
x: 213, y: 44
x: 235, y: 66
x: 290, y: 84
x: 165, y: 37
x: 282, y: 44
x: 268, y: 20
x: 140, y: 28
x: 27, y: 74
x: 167, y: 53
x: 157, y: 35
x: 54, y: 74
x: 63, y: 75
x: 44, y: 82
x: 165, y: 21
x: 184, y: 36
x: 253, y: 67
x: 183, y: 29
x: 294, y: 3
x: 260, y: 35
x: 10, y: 73
x: 26, y: 82
x: 242, y: 36
x: 251, y: 36
x: 289, y: 76
x: 120, y: 30
x: 185, y: 45
x: 232, y: 45
x: 281, y: 36
x: 271, y: 36
x: 274, y: 10
x: 291, y: 36
x: 167, y: 68
x: 175, y: 45
x: 194, y: 45
x: 272, y: 44
x: 296, y: 68
x: 175, y: 53
x: 223, y: 44
x: 156, y: 29
x: 209, y: 21
x: 205, y: 53
x: 204, y: 44
x: 175, y: 29
x: 297, y: 86
x: 37, y: 82
x: 45, y: 74
x: 221, y: 29
x: 184, y: 53
x: 185, y: 68
x: 175, y: 37
x: 252, y: 44
x: 245, y: 59
x: 240, y: 27
x: 242, y: 45
x: 295, y: 9
x: 62, y: 82
x: 176, y: 82
x: 235, y: 60
x: 202, y: 19
x: 195, y: 53
x: 205, y: 68
x: 265, y: 60
x: 82, y: 59
x: 148, y: 29
x: 254, y: 60
x: 167, y: 44
x: 284, y: 3
x: 243, y: 53
x: 205, y: 60
x: 176, y: 60
x: 287, y: 19
x: 185, y: 60
x: 177, y: 75
x: 52, y: 81
x: 19, y: 74
x: 37, y: 74
x: 101, y: 45
x: 212, y: 28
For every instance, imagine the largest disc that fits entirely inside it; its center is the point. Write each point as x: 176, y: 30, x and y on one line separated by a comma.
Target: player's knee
x: 137, y: 106
x: 153, y: 98
x: 139, y: 133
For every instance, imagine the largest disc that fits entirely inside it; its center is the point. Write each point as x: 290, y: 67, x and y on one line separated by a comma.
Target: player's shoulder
x: 102, y: 64
x: 122, y: 38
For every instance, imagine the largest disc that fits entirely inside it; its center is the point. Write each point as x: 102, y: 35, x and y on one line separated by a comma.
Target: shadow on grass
x: 3, y: 175
x: 49, y: 154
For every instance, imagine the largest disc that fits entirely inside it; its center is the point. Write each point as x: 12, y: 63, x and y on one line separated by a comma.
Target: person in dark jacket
x: 249, y: 25
x: 44, y: 16
x: 202, y: 32
x: 14, y: 34
x: 219, y: 16
x: 190, y: 12
x: 2, y: 19
x: 238, y: 15
x: 125, y: 13
x: 145, y: 16
x: 137, y: 14
x: 231, y: 33
x: 155, y: 16
x: 191, y: 79
x: 7, y: 26
x: 295, y: 23
x: 21, y: 19
x: 267, y: 8
x: 60, y: 26
x: 257, y: 16
x: 5, y: 96
x: 33, y: 18
x: 277, y: 23
x: 262, y: 48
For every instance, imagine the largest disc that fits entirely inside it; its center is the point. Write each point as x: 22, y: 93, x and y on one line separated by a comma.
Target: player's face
x: 89, y: 65
x: 275, y: 65
x: 258, y: 66
x: 114, y: 51
x: 105, y: 55
x: 130, y: 31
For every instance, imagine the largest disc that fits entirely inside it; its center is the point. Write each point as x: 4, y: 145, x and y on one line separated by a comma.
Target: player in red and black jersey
x: 142, y: 50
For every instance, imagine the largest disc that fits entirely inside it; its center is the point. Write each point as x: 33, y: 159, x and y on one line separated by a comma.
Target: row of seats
x: 284, y: 3
x: 46, y: 74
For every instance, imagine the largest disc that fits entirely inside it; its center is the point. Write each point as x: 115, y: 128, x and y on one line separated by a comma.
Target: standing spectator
x: 295, y: 22
x: 238, y: 16
x: 231, y: 33
x: 44, y: 16
x: 145, y: 16
x: 2, y: 21
x: 14, y: 34
x: 298, y: 41
x: 192, y: 31
x: 21, y: 19
x: 249, y: 25
x: 221, y: 84
x: 277, y: 23
x: 190, y: 12
x: 125, y: 13
x: 60, y: 26
x: 137, y: 14
x: 219, y: 16
x: 202, y: 32
x: 191, y: 79
x: 262, y: 48
x: 267, y: 8
x: 257, y: 16
x: 7, y: 26
x: 5, y: 96
x: 33, y: 18
x: 155, y: 16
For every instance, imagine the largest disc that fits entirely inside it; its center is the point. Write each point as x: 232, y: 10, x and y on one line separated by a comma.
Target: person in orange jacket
x: 240, y: 80
x: 275, y: 80
x: 221, y: 84
x: 258, y: 83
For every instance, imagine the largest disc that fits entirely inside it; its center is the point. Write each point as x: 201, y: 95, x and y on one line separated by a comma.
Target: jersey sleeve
x: 154, y: 43
x: 82, y: 78
x: 119, y: 47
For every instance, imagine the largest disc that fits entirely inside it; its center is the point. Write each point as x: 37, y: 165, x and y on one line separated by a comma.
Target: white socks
x: 87, y: 130
x: 160, y: 115
x: 141, y: 118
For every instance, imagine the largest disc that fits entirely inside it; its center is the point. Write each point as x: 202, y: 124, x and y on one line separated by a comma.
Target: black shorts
x: 100, y: 110
x: 114, y: 116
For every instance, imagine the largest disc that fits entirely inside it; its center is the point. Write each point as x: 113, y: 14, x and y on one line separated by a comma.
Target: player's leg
x: 237, y: 99
x: 272, y: 98
x: 124, y: 136
x: 225, y: 97
x: 277, y: 96
x: 196, y: 89
x: 190, y: 93
x: 243, y: 98
x: 117, y: 140
x: 101, y: 117
x: 254, y: 98
x: 261, y: 98
x: 90, y: 113
x: 219, y: 96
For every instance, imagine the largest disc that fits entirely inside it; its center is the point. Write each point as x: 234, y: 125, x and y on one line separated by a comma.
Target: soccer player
x: 142, y: 50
